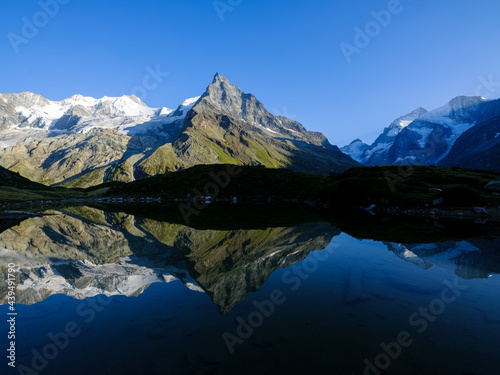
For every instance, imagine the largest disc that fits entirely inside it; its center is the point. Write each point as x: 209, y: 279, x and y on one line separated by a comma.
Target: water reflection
x: 475, y: 258
x: 341, y: 298
x: 83, y: 252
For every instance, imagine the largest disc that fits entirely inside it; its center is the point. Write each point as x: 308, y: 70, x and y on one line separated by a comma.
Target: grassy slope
x: 15, y: 188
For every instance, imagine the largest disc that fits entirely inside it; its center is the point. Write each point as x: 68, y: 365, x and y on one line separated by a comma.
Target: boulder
x: 493, y: 186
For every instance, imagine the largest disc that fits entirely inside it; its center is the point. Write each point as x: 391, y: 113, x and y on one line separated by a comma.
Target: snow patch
x: 381, y: 147
x: 405, y: 123
x: 270, y: 130
x: 190, y: 102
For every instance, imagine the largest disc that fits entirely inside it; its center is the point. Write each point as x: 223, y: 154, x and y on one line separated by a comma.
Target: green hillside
x: 15, y: 188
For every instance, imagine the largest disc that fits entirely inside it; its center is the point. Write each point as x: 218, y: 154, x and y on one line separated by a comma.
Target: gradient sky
x: 286, y: 52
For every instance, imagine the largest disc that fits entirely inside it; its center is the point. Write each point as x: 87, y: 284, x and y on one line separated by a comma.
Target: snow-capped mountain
x: 82, y: 141
x: 33, y: 115
x: 367, y: 154
x: 423, y: 137
x: 356, y: 149
x: 43, y: 115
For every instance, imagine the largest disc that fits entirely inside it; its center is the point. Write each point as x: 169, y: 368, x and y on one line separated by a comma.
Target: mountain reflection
x: 83, y: 251
x: 471, y: 259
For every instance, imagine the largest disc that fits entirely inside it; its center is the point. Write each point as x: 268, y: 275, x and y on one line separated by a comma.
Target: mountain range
x: 463, y: 133
x: 82, y: 141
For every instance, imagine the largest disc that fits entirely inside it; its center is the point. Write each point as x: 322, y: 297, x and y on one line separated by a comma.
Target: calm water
x: 110, y: 293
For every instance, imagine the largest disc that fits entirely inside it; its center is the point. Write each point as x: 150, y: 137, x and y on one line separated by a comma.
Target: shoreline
x: 449, y: 213
x: 16, y: 210
x: 12, y: 215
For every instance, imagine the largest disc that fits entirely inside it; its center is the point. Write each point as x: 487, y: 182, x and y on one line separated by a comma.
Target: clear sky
x: 288, y: 53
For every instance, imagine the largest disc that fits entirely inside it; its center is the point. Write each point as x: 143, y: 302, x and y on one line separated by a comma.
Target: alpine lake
x: 135, y: 290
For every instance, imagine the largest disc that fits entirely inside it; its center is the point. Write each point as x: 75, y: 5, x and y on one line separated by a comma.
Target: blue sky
x: 286, y: 52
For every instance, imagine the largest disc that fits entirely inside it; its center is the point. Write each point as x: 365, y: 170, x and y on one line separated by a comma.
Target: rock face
x: 477, y: 148
x: 81, y: 141
x: 82, y: 252
x: 463, y: 133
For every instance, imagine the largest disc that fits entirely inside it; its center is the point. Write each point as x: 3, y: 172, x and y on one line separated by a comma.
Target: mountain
x: 81, y: 141
x: 370, y: 154
x: 432, y: 138
x: 227, y: 125
x: 356, y: 150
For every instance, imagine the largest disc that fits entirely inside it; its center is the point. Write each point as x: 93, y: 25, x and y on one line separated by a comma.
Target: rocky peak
x: 225, y: 98
x: 219, y: 78
x: 405, y: 120
x: 356, y: 141
x: 420, y: 111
